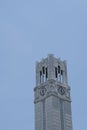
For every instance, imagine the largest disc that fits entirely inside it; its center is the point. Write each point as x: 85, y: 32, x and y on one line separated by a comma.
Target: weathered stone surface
x: 52, y: 95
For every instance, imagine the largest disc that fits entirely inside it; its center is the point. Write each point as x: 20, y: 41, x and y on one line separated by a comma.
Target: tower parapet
x: 51, y: 68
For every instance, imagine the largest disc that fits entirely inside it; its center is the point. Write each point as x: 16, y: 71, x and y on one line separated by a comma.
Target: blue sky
x: 29, y: 31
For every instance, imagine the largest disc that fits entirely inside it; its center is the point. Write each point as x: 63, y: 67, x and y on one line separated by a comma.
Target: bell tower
x: 52, y: 95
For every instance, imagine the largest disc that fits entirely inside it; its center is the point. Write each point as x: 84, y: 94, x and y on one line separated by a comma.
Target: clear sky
x: 29, y: 31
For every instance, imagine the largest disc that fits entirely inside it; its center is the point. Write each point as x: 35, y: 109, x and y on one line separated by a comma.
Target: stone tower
x: 52, y: 95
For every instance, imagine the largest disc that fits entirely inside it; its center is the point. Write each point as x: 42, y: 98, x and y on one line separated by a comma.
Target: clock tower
x: 52, y: 95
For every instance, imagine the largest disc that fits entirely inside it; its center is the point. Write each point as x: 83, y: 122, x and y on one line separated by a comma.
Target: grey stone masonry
x: 51, y: 68
x: 52, y: 95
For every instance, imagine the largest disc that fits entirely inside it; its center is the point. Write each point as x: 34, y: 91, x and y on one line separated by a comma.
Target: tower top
x: 51, y: 68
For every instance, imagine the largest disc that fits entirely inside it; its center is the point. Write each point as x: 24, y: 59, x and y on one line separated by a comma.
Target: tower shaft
x: 52, y: 95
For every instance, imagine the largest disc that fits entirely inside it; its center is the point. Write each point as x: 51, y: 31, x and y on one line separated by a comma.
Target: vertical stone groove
x: 61, y: 115
x: 44, y: 116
